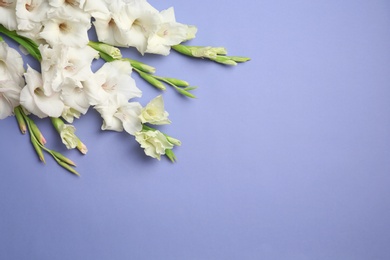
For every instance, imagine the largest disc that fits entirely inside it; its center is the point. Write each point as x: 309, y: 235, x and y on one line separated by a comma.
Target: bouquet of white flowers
x: 55, y: 33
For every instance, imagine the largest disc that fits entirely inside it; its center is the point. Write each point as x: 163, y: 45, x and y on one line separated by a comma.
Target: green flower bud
x: 62, y: 158
x: 173, y: 141
x: 185, y: 92
x: 67, y: 167
x: 20, y: 119
x: 239, y: 59
x: 171, y: 156
x: 110, y: 50
x: 38, y: 149
x: 141, y: 66
x: 82, y: 147
x: 177, y: 82
x: 153, y: 81
x: 183, y: 49
x: 225, y: 60
x: 37, y: 133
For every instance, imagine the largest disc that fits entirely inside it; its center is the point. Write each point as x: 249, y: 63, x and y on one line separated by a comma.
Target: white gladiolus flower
x: 52, y: 64
x: 7, y: 14
x: 30, y: 14
x: 112, y: 28
x: 11, y: 64
x: 116, y: 80
x: 68, y: 137
x: 118, y: 114
x: 129, y: 24
x: 9, y: 97
x: 33, y: 98
x: 154, y: 143
x: 62, y: 62
x: 98, y: 8
x: 169, y: 33
x: 66, y: 26
x: 144, y: 21
x: 154, y: 112
x: 11, y: 80
x: 74, y: 96
x: 69, y: 114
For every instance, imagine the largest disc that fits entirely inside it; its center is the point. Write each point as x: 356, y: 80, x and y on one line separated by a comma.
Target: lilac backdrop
x: 284, y: 157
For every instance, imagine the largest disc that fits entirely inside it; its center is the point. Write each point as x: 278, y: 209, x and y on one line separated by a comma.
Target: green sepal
x: 107, y: 49
x: 183, y: 49
x: 190, y: 88
x: 171, y: 155
x: 239, y: 58
x: 106, y: 57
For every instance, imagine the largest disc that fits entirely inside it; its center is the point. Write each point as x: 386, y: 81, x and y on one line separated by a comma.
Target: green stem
x: 38, y: 146
x: 28, y: 44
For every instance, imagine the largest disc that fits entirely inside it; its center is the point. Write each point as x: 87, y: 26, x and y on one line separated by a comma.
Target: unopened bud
x: 140, y: 66
x: 153, y: 81
x: 173, y: 141
x: 108, y: 49
x: 82, y: 147
x: 20, y: 120
x: 177, y: 82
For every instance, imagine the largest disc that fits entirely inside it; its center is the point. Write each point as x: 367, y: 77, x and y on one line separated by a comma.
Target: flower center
x: 111, y: 23
x: 69, y: 68
x: 64, y: 27
x: 71, y: 2
x: 137, y: 23
x: 78, y: 90
x: 29, y: 7
x: 108, y: 87
x: 151, y: 112
x: 38, y: 91
x: 5, y: 3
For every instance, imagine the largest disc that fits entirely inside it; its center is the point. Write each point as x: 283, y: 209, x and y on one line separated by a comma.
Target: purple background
x: 284, y: 157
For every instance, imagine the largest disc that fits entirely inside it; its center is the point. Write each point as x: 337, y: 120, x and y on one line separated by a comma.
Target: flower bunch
x: 55, y: 32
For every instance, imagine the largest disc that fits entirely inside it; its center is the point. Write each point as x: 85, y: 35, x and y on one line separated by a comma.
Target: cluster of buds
x: 217, y: 54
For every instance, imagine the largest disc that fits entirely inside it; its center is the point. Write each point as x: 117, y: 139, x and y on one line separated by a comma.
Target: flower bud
x: 239, y: 59
x: 38, y: 149
x: 110, y: 50
x: 177, y: 82
x: 62, y: 158
x: 37, y: 133
x: 67, y: 133
x: 225, y: 60
x: 82, y: 147
x: 153, y: 81
x: 169, y: 153
x: 141, y: 66
x: 173, y: 141
x: 20, y: 119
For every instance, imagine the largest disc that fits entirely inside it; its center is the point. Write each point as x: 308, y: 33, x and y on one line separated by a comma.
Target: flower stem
x: 39, y: 145
x: 28, y: 44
